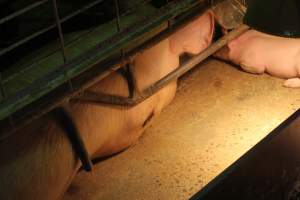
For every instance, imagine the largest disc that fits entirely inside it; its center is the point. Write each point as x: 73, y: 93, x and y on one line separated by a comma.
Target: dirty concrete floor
x: 218, y: 114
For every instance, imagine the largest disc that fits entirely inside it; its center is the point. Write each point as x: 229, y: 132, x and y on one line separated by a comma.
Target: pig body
x: 38, y: 162
x: 258, y: 52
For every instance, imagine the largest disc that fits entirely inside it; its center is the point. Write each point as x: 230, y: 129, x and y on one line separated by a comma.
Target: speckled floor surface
x: 218, y: 114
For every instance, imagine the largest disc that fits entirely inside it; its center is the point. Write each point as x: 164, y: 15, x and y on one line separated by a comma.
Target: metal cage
x: 125, y: 34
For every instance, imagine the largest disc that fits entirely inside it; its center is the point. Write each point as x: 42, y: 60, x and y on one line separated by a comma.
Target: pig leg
x: 223, y: 54
x: 292, y: 83
x: 252, y: 69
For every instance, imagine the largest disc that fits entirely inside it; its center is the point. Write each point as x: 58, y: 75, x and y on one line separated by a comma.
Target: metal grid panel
x: 73, y: 67
x: 58, y: 24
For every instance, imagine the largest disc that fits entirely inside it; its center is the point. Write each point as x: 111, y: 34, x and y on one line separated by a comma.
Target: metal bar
x: 26, y: 39
x: 128, y: 76
x: 3, y: 96
x: 136, y: 92
x: 60, y: 33
x: 146, y: 93
x: 63, y: 118
x: 125, y: 72
x: 20, y: 12
x: 61, y: 39
x: 34, y: 35
x: 118, y: 15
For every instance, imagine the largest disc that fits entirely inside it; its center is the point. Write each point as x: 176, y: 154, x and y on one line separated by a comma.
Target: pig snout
x: 258, y: 53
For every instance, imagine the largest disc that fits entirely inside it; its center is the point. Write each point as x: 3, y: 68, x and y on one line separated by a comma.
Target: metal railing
x: 72, y: 92
x: 76, y: 139
x: 43, y: 30
x: 58, y: 24
x: 13, y: 103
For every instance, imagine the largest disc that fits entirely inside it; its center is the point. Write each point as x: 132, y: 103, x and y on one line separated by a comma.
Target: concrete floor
x: 218, y: 114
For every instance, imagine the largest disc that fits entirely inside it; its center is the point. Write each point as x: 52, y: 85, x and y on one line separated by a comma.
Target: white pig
x: 38, y: 161
x: 258, y: 52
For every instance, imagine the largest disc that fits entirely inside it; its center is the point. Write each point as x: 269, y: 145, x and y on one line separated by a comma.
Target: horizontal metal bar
x: 84, y: 8
x: 34, y: 35
x: 20, y: 12
x: 101, y: 98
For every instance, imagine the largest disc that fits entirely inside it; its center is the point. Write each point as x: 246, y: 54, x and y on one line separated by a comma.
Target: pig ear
x: 208, y: 26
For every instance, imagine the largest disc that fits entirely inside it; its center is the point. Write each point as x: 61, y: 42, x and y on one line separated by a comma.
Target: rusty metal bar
x: 36, y: 34
x: 20, y: 12
x: 101, y: 98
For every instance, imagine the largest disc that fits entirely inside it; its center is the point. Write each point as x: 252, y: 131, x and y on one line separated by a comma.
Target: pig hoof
x: 292, y: 83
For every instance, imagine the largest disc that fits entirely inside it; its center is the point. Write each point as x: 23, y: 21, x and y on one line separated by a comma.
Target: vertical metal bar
x: 118, y: 21
x: 130, y: 78
x: 72, y: 131
x: 117, y: 9
x: 3, y: 95
x: 58, y: 25
x: 136, y: 91
x: 61, y: 39
x: 64, y: 119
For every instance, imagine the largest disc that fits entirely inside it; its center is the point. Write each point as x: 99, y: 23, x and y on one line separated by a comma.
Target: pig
x: 258, y: 52
x: 38, y: 162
